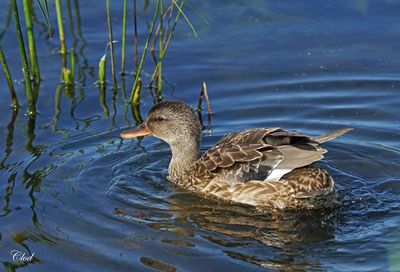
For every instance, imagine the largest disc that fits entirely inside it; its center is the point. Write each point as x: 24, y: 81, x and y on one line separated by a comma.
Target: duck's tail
x: 331, y: 135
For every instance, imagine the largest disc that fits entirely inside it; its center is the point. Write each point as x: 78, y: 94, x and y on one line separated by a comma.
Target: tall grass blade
x: 186, y: 18
x: 201, y: 16
x: 31, y: 41
x: 8, y: 21
x: 45, y: 13
x: 110, y: 35
x: 137, y: 76
x: 171, y: 34
x: 136, y: 40
x: 167, y: 42
x: 123, y: 38
x: 160, y: 57
x: 7, y: 75
x: 61, y: 29
x: 25, y: 65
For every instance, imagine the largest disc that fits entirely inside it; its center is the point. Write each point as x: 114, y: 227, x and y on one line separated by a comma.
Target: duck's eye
x: 159, y: 118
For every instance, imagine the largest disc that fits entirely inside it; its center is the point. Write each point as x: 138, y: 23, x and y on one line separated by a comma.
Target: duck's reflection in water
x: 275, y: 239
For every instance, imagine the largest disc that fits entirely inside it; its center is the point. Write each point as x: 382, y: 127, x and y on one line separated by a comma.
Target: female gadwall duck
x: 262, y: 167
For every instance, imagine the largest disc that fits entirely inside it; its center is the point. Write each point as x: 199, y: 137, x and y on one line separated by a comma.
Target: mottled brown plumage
x: 262, y: 167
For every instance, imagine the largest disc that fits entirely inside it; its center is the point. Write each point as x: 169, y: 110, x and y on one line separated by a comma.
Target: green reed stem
x: 31, y: 41
x: 137, y: 76
x: 8, y: 20
x: 110, y: 35
x: 25, y: 65
x: 102, y: 70
x: 72, y: 63
x: 45, y: 12
x: 166, y: 44
x: 123, y: 38
x: 7, y: 75
x: 68, y: 75
x: 186, y: 18
x: 136, y: 96
x: 136, y: 40
x: 63, y: 49
x: 171, y: 34
x: 159, y: 85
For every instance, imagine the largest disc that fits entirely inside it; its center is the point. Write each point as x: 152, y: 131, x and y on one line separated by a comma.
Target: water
x: 81, y: 199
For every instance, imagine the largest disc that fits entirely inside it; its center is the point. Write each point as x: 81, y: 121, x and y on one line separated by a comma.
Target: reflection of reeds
x: 25, y: 65
x: 10, y: 138
x: 3, y: 164
x: 102, y: 100
x: 82, y: 74
x: 136, y: 113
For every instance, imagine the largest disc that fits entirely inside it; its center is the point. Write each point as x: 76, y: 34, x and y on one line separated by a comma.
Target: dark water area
x: 80, y: 198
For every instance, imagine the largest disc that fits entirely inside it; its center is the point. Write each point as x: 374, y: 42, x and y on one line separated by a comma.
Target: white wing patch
x: 276, y: 174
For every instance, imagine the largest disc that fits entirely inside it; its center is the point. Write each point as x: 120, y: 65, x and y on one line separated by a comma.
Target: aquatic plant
x: 31, y: 41
x: 159, y: 36
x: 110, y: 35
x: 26, y: 69
x: 68, y: 74
x: 102, y: 70
x: 123, y: 46
x: 7, y: 75
x: 63, y: 46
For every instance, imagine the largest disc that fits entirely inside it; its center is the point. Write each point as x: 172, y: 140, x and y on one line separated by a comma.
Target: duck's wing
x: 298, y: 149
x: 261, y: 154
x: 240, y: 157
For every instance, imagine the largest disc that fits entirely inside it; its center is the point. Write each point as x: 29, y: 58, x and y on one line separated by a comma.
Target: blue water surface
x: 79, y: 198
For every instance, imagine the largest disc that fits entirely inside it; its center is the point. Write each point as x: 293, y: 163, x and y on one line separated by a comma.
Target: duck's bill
x: 138, y: 131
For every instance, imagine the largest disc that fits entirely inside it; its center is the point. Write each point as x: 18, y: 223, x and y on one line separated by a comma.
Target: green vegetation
x: 26, y: 69
x: 159, y: 36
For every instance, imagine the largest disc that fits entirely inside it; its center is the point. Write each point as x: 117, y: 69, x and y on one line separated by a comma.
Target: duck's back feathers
x: 261, y: 154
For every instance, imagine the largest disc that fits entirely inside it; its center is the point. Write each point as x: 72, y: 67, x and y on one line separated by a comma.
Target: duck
x: 267, y: 168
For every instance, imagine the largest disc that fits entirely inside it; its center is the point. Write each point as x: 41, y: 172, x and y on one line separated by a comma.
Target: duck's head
x: 174, y: 122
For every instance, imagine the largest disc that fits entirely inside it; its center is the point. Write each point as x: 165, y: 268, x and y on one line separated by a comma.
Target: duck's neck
x: 183, y: 157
